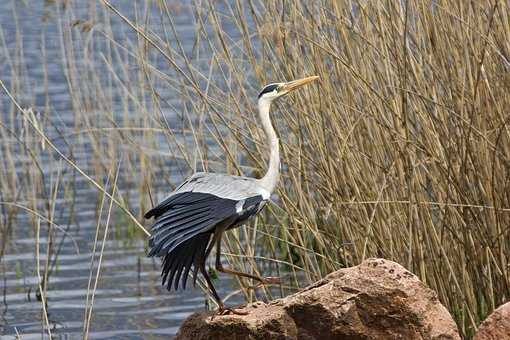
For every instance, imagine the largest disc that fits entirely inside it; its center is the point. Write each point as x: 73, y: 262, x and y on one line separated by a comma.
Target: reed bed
x: 402, y: 150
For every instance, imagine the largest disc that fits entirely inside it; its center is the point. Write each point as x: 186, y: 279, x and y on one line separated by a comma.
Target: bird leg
x: 222, y: 309
x: 220, y: 268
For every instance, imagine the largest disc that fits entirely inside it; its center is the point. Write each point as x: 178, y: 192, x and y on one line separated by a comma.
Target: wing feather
x: 181, y: 259
x: 177, y: 213
x: 165, y: 228
x: 167, y: 263
x: 185, y: 221
x: 188, y: 262
x: 220, y: 185
x: 170, y: 241
x: 173, y: 243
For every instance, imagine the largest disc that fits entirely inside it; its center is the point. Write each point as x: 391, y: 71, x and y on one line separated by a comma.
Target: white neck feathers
x: 270, y: 179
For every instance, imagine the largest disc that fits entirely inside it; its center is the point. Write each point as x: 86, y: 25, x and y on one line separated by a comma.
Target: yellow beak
x: 292, y: 85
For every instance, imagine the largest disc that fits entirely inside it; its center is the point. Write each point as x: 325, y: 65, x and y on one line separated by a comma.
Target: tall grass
x: 401, y: 151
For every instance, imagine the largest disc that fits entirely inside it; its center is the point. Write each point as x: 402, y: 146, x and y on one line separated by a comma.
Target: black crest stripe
x: 268, y: 88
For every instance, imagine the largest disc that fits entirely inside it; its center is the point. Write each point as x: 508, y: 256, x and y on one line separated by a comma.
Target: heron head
x: 276, y: 90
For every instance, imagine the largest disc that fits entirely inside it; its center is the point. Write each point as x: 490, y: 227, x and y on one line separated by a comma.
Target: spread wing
x: 185, y: 220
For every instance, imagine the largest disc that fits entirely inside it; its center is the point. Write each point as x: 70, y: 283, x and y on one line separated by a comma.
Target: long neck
x: 270, y: 179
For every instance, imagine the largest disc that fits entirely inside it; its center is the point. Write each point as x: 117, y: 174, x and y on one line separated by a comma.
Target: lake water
x: 130, y: 302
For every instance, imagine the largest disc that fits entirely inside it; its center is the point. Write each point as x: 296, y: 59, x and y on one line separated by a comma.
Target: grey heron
x: 191, y: 220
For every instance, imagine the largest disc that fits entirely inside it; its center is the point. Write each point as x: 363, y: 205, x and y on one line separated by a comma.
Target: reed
x: 401, y: 151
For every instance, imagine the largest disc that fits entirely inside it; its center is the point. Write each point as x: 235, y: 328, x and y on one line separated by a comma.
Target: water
x: 129, y: 301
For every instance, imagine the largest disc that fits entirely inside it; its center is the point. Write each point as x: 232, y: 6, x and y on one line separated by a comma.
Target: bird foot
x: 224, y: 310
x: 232, y: 311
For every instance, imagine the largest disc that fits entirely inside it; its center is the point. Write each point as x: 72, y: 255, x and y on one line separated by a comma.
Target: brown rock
x: 378, y: 299
x: 496, y: 326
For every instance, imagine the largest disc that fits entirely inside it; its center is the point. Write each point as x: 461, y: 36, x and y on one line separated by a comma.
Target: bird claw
x: 232, y: 311
x: 223, y: 310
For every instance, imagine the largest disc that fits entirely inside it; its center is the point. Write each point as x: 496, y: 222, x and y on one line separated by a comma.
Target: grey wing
x: 236, y: 188
x: 225, y: 186
x: 187, y: 217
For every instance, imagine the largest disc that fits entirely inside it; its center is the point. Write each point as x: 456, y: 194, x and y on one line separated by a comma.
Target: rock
x: 496, y: 326
x: 378, y: 299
